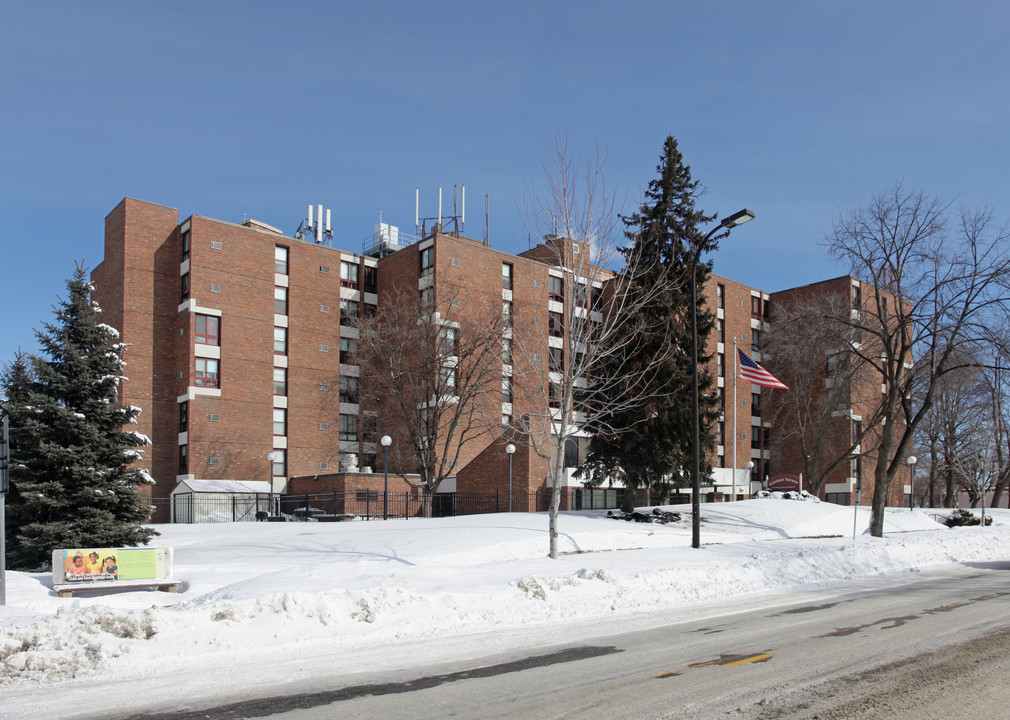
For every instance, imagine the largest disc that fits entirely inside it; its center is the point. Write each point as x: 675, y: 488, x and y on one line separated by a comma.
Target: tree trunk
x: 555, y: 467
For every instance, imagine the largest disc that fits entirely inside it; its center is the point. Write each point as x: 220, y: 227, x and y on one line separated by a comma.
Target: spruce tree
x: 651, y: 445
x: 72, y: 484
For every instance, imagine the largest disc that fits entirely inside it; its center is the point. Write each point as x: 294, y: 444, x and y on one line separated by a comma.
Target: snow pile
x: 258, y: 597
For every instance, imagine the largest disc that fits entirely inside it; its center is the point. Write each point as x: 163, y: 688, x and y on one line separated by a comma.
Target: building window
x: 721, y: 430
x: 183, y: 416
x: 447, y: 381
x: 447, y: 341
x: 506, y: 389
x: 506, y: 313
x: 184, y: 287
x: 720, y: 330
x: 281, y: 260
x: 506, y: 420
x: 857, y: 298
x: 556, y: 359
x: 280, y: 422
x: 280, y: 300
x: 280, y: 381
x: 184, y: 459
x: 720, y: 365
x: 280, y: 341
x: 755, y: 340
x: 185, y: 246
x: 349, y: 428
x: 371, y: 279
x: 348, y: 389
x: 556, y: 328
x: 348, y: 348
x: 506, y: 351
x: 755, y: 404
x: 427, y: 297
x: 755, y: 437
x: 555, y: 289
x: 720, y: 296
x: 857, y: 431
x: 208, y: 330
x: 348, y: 275
x: 348, y: 312
x: 280, y: 464
x: 208, y: 373
x: 506, y: 276
x: 755, y: 307
x: 554, y: 396
x: 427, y: 261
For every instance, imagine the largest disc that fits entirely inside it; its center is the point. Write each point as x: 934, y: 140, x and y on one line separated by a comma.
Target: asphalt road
x: 928, y: 646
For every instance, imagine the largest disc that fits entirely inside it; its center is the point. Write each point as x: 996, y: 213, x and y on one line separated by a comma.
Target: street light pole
x: 912, y: 460
x: 728, y: 223
x: 271, y: 458
x: 510, y: 451
x: 385, y: 440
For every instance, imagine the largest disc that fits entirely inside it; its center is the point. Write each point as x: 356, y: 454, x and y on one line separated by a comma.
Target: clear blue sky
x: 232, y: 109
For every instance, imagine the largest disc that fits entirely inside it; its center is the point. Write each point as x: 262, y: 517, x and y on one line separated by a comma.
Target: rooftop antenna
x: 450, y: 224
x: 315, y: 226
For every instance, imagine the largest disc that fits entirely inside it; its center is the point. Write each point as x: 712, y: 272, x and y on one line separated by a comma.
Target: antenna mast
x: 315, y: 227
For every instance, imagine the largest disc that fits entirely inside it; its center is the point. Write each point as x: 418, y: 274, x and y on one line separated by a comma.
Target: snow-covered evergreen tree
x: 72, y: 484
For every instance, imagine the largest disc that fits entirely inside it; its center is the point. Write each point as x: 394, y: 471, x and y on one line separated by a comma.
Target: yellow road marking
x: 755, y: 658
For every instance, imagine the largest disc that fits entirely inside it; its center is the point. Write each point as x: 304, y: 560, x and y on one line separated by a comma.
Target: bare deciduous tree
x: 936, y: 284
x: 578, y: 325
x: 433, y: 373
x: 809, y: 352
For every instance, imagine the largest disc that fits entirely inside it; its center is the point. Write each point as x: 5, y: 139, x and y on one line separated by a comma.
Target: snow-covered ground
x: 272, y: 601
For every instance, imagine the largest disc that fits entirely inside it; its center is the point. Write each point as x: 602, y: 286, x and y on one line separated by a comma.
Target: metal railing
x: 365, y: 505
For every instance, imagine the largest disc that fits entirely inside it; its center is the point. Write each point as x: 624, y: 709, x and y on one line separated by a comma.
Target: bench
x: 65, y: 590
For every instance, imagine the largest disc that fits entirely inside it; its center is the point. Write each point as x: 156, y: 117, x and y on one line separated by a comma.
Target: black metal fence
x: 364, y: 505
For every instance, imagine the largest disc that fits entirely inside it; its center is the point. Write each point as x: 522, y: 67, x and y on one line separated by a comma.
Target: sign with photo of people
x: 98, y: 565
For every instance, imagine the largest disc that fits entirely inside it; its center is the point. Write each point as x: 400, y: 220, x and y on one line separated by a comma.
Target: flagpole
x: 735, y: 360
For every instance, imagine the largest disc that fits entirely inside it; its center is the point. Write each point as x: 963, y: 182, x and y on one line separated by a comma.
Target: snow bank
x: 257, y: 596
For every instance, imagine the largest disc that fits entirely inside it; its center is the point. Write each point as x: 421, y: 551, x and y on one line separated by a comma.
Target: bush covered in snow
x: 789, y: 495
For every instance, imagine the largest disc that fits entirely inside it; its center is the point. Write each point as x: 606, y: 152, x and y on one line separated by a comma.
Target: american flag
x: 750, y: 370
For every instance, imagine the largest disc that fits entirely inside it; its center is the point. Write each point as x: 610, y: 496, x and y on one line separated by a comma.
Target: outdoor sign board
x: 784, y: 483
x: 107, y: 565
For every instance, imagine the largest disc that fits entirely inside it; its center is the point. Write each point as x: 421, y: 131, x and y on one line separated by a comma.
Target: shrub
x: 966, y: 517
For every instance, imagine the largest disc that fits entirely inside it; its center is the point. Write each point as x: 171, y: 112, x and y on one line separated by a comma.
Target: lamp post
x: 271, y: 458
x: 912, y: 460
x: 750, y: 470
x: 510, y: 451
x: 385, y: 441
x: 728, y: 223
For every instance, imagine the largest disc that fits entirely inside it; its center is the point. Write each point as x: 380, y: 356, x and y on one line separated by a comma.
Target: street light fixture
x: 728, y: 223
x: 510, y: 451
x: 912, y: 460
x: 385, y: 441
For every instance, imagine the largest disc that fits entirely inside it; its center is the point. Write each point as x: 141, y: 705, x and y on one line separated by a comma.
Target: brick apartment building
x: 243, y: 341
